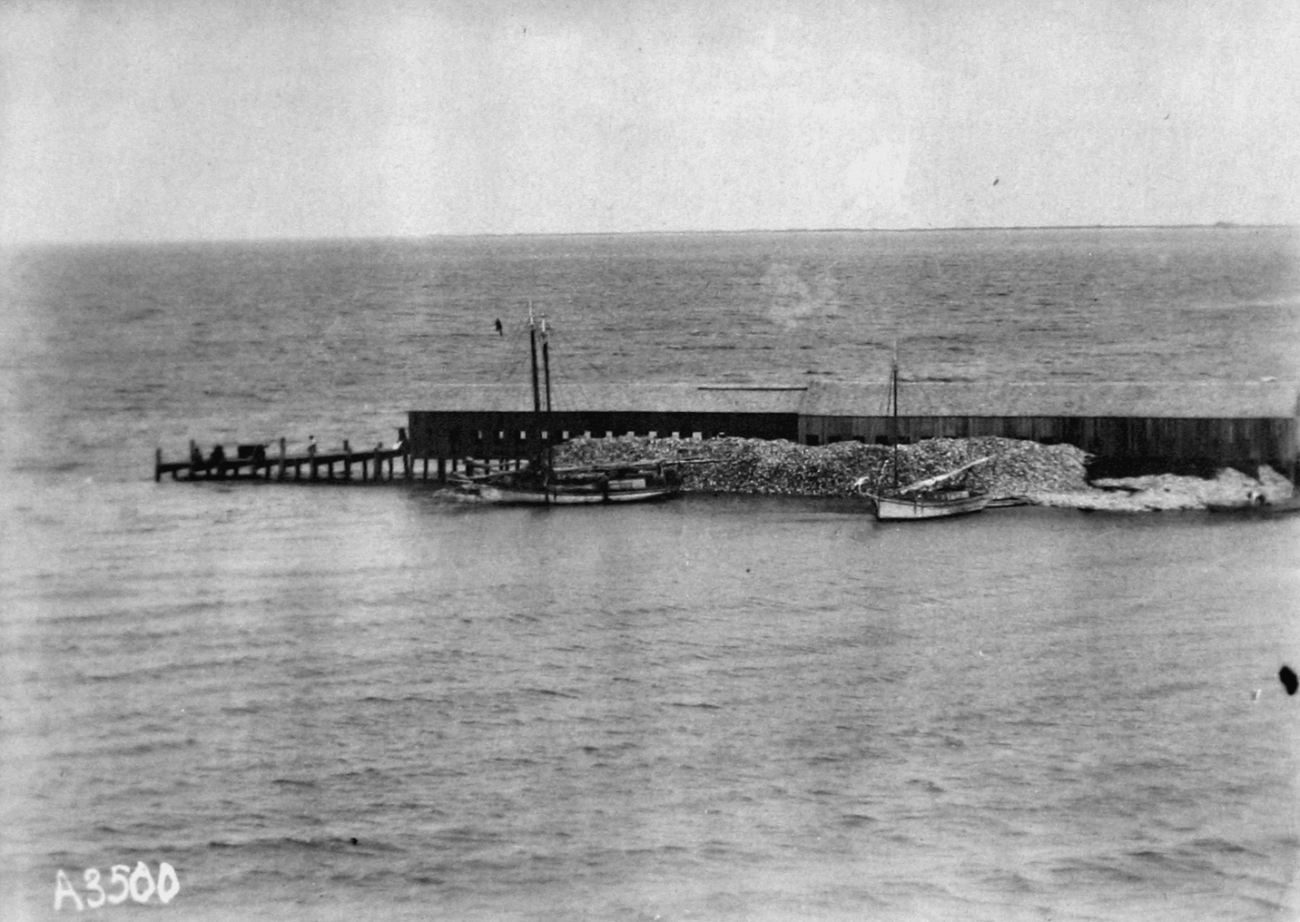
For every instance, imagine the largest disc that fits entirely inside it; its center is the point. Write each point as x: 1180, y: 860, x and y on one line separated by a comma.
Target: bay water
x: 371, y: 701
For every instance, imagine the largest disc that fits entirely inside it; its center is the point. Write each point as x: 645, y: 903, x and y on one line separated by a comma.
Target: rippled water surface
x: 334, y: 702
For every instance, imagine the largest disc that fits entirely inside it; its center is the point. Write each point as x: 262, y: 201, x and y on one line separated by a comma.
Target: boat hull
x: 909, y: 509
x: 1258, y: 509
x: 566, y: 497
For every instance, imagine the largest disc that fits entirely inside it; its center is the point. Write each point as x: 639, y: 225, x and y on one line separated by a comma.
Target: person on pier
x: 217, y: 460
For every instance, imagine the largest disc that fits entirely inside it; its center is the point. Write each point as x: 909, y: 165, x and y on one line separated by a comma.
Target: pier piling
x: 250, y: 462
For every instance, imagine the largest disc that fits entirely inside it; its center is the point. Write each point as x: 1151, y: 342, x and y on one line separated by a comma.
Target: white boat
x: 540, y: 483
x: 938, y: 497
x: 932, y: 498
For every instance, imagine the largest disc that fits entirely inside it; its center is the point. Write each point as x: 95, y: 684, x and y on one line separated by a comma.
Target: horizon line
x: 181, y: 241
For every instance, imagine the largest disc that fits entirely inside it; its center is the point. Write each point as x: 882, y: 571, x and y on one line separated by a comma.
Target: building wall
x: 504, y: 435
x: 1119, y: 444
x: 1116, y: 442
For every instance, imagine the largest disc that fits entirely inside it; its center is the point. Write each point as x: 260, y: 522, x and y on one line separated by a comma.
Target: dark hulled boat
x: 540, y: 482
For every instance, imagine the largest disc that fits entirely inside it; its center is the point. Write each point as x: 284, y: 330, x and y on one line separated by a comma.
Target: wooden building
x: 1127, y: 427
x: 498, y: 423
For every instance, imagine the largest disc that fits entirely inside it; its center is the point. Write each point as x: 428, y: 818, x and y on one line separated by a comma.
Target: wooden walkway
x: 252, y: 462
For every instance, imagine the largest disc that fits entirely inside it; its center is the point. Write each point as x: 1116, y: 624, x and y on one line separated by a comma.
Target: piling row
x: 251, y: 462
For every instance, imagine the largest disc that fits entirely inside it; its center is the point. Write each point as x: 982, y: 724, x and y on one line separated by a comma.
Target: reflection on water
x: 336, y: 702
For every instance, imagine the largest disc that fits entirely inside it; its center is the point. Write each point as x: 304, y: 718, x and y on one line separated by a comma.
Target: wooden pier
x: 253, y: 462
x: 379, y: 464
x: 1128, y: 428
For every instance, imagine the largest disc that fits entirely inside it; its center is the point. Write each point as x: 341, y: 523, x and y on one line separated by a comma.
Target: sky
x: 238, y: 119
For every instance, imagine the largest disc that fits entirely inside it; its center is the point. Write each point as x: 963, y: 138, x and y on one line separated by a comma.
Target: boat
x: 939, y: 497
x: 571, y: 486
x: 1258, y: 506
x: 540, y: 482
x: 936, y: 497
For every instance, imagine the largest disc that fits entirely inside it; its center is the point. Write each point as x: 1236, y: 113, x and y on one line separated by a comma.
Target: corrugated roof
x: 648, y: 398
x: 1218, y: 399
x: 1215, y: 400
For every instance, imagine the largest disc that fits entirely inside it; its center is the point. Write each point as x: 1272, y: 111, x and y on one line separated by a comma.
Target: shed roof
x: 1210, y: 399
x: 595, y: 398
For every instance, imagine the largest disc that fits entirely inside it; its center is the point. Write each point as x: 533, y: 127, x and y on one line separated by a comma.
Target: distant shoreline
x: 810, y: 231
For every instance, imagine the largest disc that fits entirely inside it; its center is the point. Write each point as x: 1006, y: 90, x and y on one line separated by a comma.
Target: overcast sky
x: 228, y: 119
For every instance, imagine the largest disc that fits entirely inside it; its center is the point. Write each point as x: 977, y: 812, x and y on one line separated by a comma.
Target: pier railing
x: 253, y: 462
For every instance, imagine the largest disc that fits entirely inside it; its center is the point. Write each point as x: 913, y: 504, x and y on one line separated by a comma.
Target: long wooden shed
x: 498, y: 422
x: 1129, y: 427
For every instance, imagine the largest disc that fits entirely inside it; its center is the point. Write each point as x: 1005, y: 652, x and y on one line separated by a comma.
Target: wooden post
x: 347, y: 460
x: 1295, y: 445
x: 442, y: 470
x: 281, y: 475
x: 157, y: 465
x: 403, y: 448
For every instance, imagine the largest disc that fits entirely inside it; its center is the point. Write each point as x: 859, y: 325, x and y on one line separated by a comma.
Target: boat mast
x: 539, y: 458
x: 532, y: 345
x: 546, y: 368
x: 546, y: 365
x: 893, y: 422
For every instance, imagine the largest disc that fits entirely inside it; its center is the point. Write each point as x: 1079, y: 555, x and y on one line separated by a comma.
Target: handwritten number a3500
x: 139, y: 885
